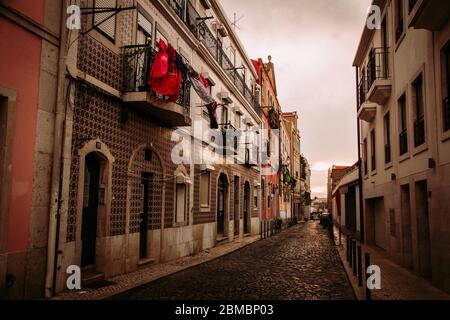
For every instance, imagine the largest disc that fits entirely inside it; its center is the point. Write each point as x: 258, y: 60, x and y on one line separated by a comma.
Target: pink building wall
x: 20, y: 58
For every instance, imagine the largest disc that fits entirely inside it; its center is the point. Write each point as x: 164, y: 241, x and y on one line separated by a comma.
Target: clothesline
x: 167, y: 73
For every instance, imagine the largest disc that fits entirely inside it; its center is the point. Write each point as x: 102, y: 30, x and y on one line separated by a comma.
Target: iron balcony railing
x: 378, y: 66
x: 403, y: 142
x: 446, y: 113
x: 137, y: 63
x: 195, y: 23
x: 362, y: 91
x: 419, y: 131
x: 387, y: 153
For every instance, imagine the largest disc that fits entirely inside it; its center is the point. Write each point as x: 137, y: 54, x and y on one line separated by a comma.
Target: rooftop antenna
x: 235, y: 21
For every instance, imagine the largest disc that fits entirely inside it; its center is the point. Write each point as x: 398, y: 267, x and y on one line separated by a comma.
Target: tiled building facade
x: 129, y: 203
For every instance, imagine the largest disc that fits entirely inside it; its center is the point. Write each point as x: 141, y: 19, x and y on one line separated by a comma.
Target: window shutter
x: 108, y: 26
x: 144, y: 23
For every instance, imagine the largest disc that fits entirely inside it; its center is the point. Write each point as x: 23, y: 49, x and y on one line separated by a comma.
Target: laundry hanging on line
x: 166, y: 76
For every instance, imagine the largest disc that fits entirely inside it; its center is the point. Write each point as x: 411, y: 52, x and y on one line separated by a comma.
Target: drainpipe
x: 361, y: 197
x: 57, y: 164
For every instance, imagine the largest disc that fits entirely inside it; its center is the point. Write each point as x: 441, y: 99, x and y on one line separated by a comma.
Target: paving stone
x: 300, y: 263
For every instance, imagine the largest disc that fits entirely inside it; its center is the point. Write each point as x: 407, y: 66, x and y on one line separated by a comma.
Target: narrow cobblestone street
x: 299, y: 263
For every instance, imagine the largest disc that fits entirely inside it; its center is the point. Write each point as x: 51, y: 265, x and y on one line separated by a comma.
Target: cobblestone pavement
x: 299, y: 263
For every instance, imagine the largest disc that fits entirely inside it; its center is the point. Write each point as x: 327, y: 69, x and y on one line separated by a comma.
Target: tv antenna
x: 235, y: 21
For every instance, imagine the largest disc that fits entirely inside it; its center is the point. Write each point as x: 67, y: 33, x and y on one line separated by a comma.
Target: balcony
x: 137, y: 94
x: 367, y: 111
x: 446, y: 114
x: 379, y: 84
x: 431, y: 15
x: 230, y: 136
x: 419, y: 131
x: 362, y: 91
x: 192, y: 19
x: 403, y: 142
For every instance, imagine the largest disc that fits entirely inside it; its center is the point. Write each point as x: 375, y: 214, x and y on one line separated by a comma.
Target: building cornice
x: 366, y: 37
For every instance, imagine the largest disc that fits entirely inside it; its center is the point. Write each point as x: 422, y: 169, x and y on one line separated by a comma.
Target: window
x: 224, y: 115
x: 159, y: 35
x: 106, y: 21
x: 237, y: 121
x: 446, y: 103
x: 255, y: 198
x: 204, y: 189
x: 387, y: 138
x: 269, y: 193
x: 399, y: 19
x: 419, y: 120
x: 180, y: 205
x: 366, y: 170
x: 144, y: 30
x: 403, y: 125
x: 373, y: 150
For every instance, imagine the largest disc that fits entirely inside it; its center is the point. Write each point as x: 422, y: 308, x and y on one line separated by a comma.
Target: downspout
x: 361, y: 197
x: 58, y: 165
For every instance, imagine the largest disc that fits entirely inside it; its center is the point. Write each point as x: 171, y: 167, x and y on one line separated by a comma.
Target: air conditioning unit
x: 248, y: 121
x: 237, y: 110
x: 220, y: 29
x: 225, y: 97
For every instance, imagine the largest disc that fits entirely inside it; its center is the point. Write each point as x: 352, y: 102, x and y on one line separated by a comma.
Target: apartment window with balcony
x: 373, y: 148
x: 399, y: 19
x: 419, y: 119
x: 446, y: 102
x: 365, y: 155
x: 387, y: 138
x: 204, y: 189
x: 403, y: 125
x: 144, y: 30
x: 105, y: 22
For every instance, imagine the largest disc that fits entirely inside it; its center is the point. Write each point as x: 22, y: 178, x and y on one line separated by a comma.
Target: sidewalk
x: 148, y: 274
x: 397, y: 283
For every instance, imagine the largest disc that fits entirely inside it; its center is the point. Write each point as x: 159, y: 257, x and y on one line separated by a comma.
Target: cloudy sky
x: 312, y: 44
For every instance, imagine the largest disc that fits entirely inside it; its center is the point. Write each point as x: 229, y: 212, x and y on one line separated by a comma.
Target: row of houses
x: 100, y: 170
x: 397, y: 196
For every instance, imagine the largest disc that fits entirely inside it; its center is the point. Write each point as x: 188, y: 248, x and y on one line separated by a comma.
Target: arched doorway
x: 221, y: 204
x: 247, y: 207
x: 91, y: 198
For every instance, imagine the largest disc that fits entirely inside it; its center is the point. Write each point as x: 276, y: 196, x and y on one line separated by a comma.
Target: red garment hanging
x: 165, y: 78
x: 203, y: 81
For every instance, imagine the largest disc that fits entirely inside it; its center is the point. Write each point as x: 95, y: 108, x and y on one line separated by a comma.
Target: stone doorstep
x: 152, y: 272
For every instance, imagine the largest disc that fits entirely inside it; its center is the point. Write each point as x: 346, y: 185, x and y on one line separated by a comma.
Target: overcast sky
x: 312, y: 44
